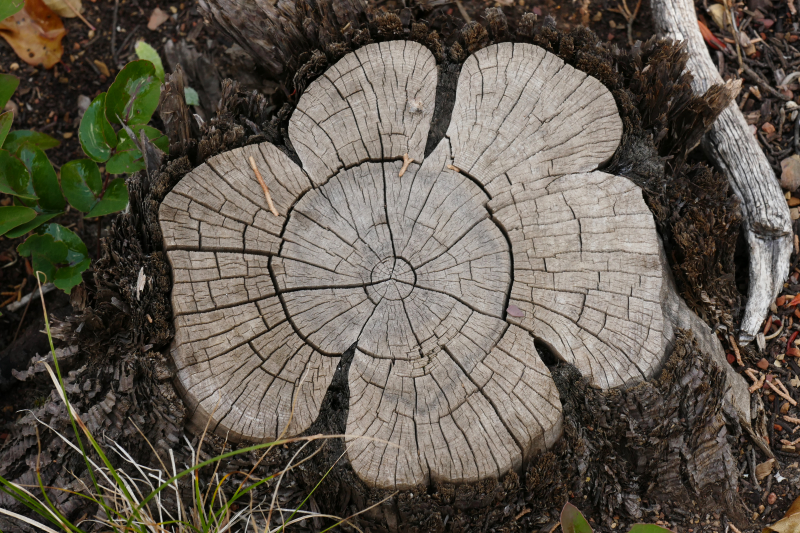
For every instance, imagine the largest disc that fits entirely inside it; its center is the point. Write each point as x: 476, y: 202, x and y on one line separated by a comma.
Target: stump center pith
x: 413, y: 258
x: 392, y: 278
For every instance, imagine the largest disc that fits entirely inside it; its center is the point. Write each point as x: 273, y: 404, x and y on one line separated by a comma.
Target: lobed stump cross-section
x: 440, y: 278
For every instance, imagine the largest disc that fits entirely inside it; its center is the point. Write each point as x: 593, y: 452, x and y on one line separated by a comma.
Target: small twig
x: 463, y: 11
x: 114, y: 29
x: 757, y: 383
x: 453, y: 168
x: 99, y: 236
x: 791, y: 419
x: 92, y: 66
x: 736, y: 351
x: 781, y: 391
x: 406, y: 161
x: 732, y: 13
x: 77, y: 14
x: 263, y: 186
x: 21, y: 320
x: 794, y: 442
x: 733, y: 528
x: 763, y: 85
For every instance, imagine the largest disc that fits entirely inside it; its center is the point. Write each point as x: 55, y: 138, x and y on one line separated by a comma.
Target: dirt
x: 48, y: 101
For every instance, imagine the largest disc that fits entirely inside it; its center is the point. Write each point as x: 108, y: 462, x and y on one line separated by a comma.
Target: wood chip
x: 263, y: 186
x: 764, y: 469
x: 157, y: 18
x: 406, y: 161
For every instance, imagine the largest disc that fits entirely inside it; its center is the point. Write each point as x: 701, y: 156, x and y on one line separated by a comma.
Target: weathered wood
x: 737, y: 153
x: 439, y: 279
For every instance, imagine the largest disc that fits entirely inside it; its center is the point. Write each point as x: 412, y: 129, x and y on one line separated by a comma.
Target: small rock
x: 790, y: 173
x: 793, y: 202
x: 13, y: 66
x: 763, y: 364
x: 68, y: 135
x: 794, y: 213
x: 768, y: 128
x: 83, y: 104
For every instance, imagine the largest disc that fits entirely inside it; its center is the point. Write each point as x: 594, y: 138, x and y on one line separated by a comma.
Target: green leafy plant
x: 572, y: 521
x: 39, y: 194
x: 147, y: 52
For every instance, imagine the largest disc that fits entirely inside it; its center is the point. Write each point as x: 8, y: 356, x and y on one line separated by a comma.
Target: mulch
x: 49, y: 101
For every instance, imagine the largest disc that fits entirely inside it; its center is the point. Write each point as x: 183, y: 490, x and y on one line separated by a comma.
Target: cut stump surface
x: 417, y: 273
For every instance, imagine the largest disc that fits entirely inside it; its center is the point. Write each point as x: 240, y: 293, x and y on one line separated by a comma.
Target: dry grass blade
x: 26, y: 520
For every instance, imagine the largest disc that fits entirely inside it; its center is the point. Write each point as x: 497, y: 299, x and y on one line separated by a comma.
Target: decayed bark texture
x: 116, y: 323
x: 278, y: 34
x: 735, y: 150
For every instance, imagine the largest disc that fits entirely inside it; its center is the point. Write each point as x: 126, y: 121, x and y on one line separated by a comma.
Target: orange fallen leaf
x: 35, y: 34
x: 709, y: 37
x: 790, y: 523
x: 795, y: 301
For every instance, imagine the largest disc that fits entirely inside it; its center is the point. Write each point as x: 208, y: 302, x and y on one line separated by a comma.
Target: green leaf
x: 648, y: 528
x: 59, y: 253
x: 9, y: 8
x: 14, y: 177
x: 77, y: 257
x: 81, y: 182
x: 191, y: 96
x: 148, y: 53
x: 159, y: 139
x: 17, y: 138
x: 128, y: 161
x: 5, y: 125
x: 96, y: 134
x: 133, y: 97
x: 13, y: 216
x: 115, y: 198
x: 45, y: 181
x: 45, y: 253
x: 572, y: 521
x: 40, y: 219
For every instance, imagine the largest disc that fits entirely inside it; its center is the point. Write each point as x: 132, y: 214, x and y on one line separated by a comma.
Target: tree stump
x: 438, y: 270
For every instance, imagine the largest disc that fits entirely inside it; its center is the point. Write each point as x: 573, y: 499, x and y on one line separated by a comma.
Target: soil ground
x: 48, y: 101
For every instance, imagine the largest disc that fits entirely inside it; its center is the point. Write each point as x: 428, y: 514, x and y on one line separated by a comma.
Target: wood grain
x: 375, y: 103
x: 416, y: 273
